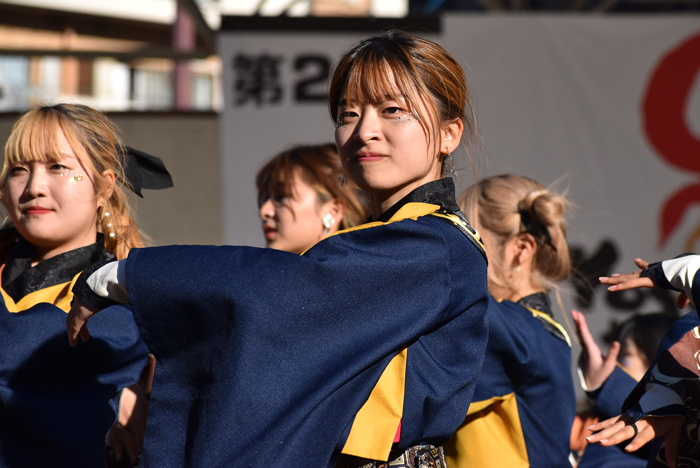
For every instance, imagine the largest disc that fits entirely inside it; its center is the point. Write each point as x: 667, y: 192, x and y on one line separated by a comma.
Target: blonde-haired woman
x: 62, y: 186
x: 524, y: 403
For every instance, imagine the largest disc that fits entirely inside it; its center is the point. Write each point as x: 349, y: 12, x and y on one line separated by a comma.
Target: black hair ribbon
x: 143, y: 171
x: 535, y: 227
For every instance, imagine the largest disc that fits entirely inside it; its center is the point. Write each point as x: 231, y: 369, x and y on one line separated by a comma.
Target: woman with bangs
x: 302, y: 198
x: 362, y: 351
x: 60, y: 188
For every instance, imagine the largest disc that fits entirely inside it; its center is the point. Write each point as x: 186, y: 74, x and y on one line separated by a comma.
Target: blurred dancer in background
x: 302, y: 198
x: 524, y: 403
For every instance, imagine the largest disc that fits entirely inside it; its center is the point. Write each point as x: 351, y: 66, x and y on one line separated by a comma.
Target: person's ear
x: 109, y: 181
x: 526, y: 248
x: 336, y: 209
x: 451, y: 135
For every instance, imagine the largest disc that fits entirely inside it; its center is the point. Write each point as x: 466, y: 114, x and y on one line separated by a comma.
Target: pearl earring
x: 449, y: 161
x: 328, y: 221
x: 105, y: 214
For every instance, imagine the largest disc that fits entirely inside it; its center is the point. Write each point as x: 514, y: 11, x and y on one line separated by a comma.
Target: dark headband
x: 143, y: 171
x: 535, y: 227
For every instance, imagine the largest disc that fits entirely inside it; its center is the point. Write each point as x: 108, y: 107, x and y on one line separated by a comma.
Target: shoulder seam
x: 464, y: 227
x: 542, y: 316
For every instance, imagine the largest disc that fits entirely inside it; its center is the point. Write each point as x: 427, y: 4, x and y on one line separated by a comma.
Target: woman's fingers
x: 74, y: 326
x: 84, y: 332
x: 605, y: 428
x: 604, y: 424
x: 620, y: 282
x: 76, y: 322
x: 611, y: 359
x: 619, y: 278
x: 608, y: 432
x: 645, y: 435
x: 596, y: 368
x: 584, y: 334
x: 620, y: 428
x: 627, y: 432
x: 623, y: 282
x: 577, y: 324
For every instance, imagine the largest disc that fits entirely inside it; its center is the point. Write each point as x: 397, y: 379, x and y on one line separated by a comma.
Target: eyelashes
x: 340, y: 121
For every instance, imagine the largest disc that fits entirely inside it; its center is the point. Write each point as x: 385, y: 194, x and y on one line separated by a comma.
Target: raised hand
x: 596, y: 368
x: 633, y: 280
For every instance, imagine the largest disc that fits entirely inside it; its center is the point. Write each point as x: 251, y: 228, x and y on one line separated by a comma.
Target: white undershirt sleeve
x: 110, y: 282
x: 680, y: 272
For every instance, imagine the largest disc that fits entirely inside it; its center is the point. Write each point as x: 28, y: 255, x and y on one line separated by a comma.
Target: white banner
x: 607, y: 106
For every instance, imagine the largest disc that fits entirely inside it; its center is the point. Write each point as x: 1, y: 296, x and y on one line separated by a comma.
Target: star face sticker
x: 76, y: 178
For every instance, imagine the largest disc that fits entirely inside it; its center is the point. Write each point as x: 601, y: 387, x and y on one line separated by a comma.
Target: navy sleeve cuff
x: 83, y: 291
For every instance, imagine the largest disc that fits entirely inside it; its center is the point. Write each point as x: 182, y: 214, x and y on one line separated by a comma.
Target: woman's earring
x: 450, y: 164
x: 345, y: 179
x: 105, y: 214
x: 328, y: 221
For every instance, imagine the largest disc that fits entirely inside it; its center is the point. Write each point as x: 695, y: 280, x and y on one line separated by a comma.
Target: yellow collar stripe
x: 537, y: 313
x: 59, y: 295
x: 408, y: 211
x: 457, y: 220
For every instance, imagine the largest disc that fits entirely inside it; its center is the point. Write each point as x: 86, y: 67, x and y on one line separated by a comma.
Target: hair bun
x: 548, y: 207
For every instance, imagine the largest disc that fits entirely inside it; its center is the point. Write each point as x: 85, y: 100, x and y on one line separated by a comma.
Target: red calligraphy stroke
x: 663, y: 112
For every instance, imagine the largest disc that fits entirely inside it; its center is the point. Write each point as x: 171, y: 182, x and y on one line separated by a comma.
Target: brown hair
x: 320, y: 167
x: 498, y: 204
x: 419, y: 69
x: 95, y: 141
